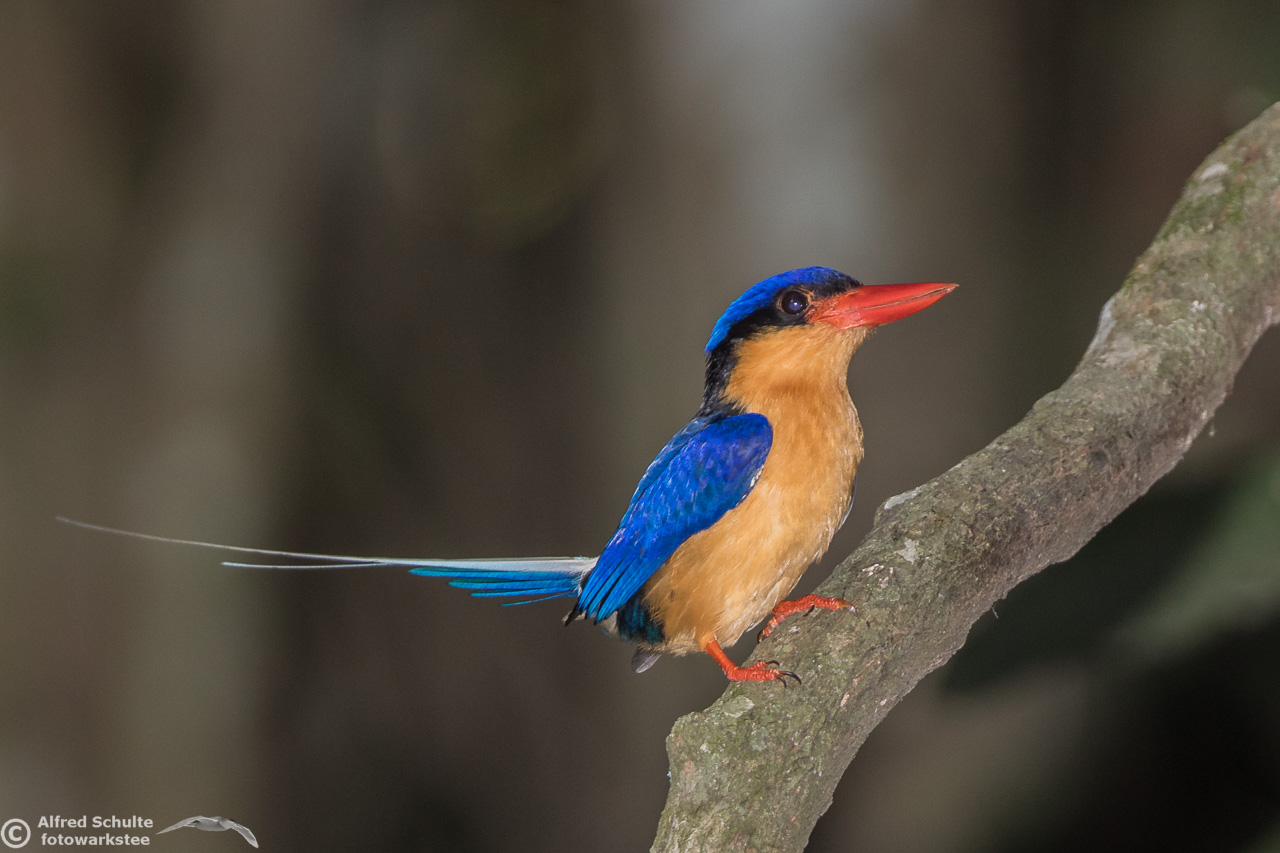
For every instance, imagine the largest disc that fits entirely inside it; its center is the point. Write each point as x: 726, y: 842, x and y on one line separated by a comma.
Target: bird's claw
x: 765, y: 670
x: 807, y: 604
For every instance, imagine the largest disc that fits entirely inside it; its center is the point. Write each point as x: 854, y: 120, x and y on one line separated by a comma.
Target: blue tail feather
x: 509, y: 593
x: 550, y: 585
x: 534, y: 580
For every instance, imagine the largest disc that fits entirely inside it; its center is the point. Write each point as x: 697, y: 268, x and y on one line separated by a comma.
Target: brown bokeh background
x: 434, y: 278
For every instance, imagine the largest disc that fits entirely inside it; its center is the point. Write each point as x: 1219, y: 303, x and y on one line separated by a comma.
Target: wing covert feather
x: 707, y: 469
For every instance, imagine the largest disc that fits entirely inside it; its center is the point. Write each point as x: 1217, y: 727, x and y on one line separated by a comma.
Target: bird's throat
x: 789, y: 365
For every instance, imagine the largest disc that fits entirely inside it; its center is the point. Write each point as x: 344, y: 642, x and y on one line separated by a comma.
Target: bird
x: 213, y: 824
x: 737, y: 505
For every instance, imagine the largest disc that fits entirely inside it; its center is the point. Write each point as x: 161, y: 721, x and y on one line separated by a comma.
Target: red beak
x: 877, y: 304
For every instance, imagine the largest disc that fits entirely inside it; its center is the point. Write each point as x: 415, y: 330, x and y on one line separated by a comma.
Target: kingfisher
x: 737, y: 505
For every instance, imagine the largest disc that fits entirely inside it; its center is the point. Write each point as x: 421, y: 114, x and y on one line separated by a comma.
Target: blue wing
x: 703, y: 472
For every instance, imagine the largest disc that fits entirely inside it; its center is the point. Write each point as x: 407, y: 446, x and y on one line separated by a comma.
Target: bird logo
x: 213, y: 824
x: 736, y: 506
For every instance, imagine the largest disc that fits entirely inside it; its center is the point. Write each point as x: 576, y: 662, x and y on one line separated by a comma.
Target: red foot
x: 809, y: 602
x: 765, y: 670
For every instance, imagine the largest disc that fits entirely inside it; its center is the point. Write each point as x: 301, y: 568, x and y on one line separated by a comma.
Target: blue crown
x: 761, y: 294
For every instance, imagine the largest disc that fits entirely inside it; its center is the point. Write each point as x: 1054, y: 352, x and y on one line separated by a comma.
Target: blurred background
x: 433, y: 279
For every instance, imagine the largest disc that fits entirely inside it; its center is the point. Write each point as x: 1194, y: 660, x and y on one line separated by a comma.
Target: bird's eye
x: 794, y: 301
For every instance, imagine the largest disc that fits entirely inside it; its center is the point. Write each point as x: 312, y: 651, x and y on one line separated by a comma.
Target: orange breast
x: 727, y: 578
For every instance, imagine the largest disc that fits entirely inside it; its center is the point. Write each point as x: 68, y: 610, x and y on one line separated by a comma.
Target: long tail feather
x: 364, y: 564
x: 301, y: 555
x: 542, y: 578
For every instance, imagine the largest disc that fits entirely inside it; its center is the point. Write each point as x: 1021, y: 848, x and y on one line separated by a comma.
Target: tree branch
x: 756, y: 769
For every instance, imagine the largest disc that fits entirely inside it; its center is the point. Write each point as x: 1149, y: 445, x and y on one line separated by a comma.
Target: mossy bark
x: 756, y: 770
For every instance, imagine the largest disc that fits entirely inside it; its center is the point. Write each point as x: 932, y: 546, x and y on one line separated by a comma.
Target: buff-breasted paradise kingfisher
x: 738, y: 504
